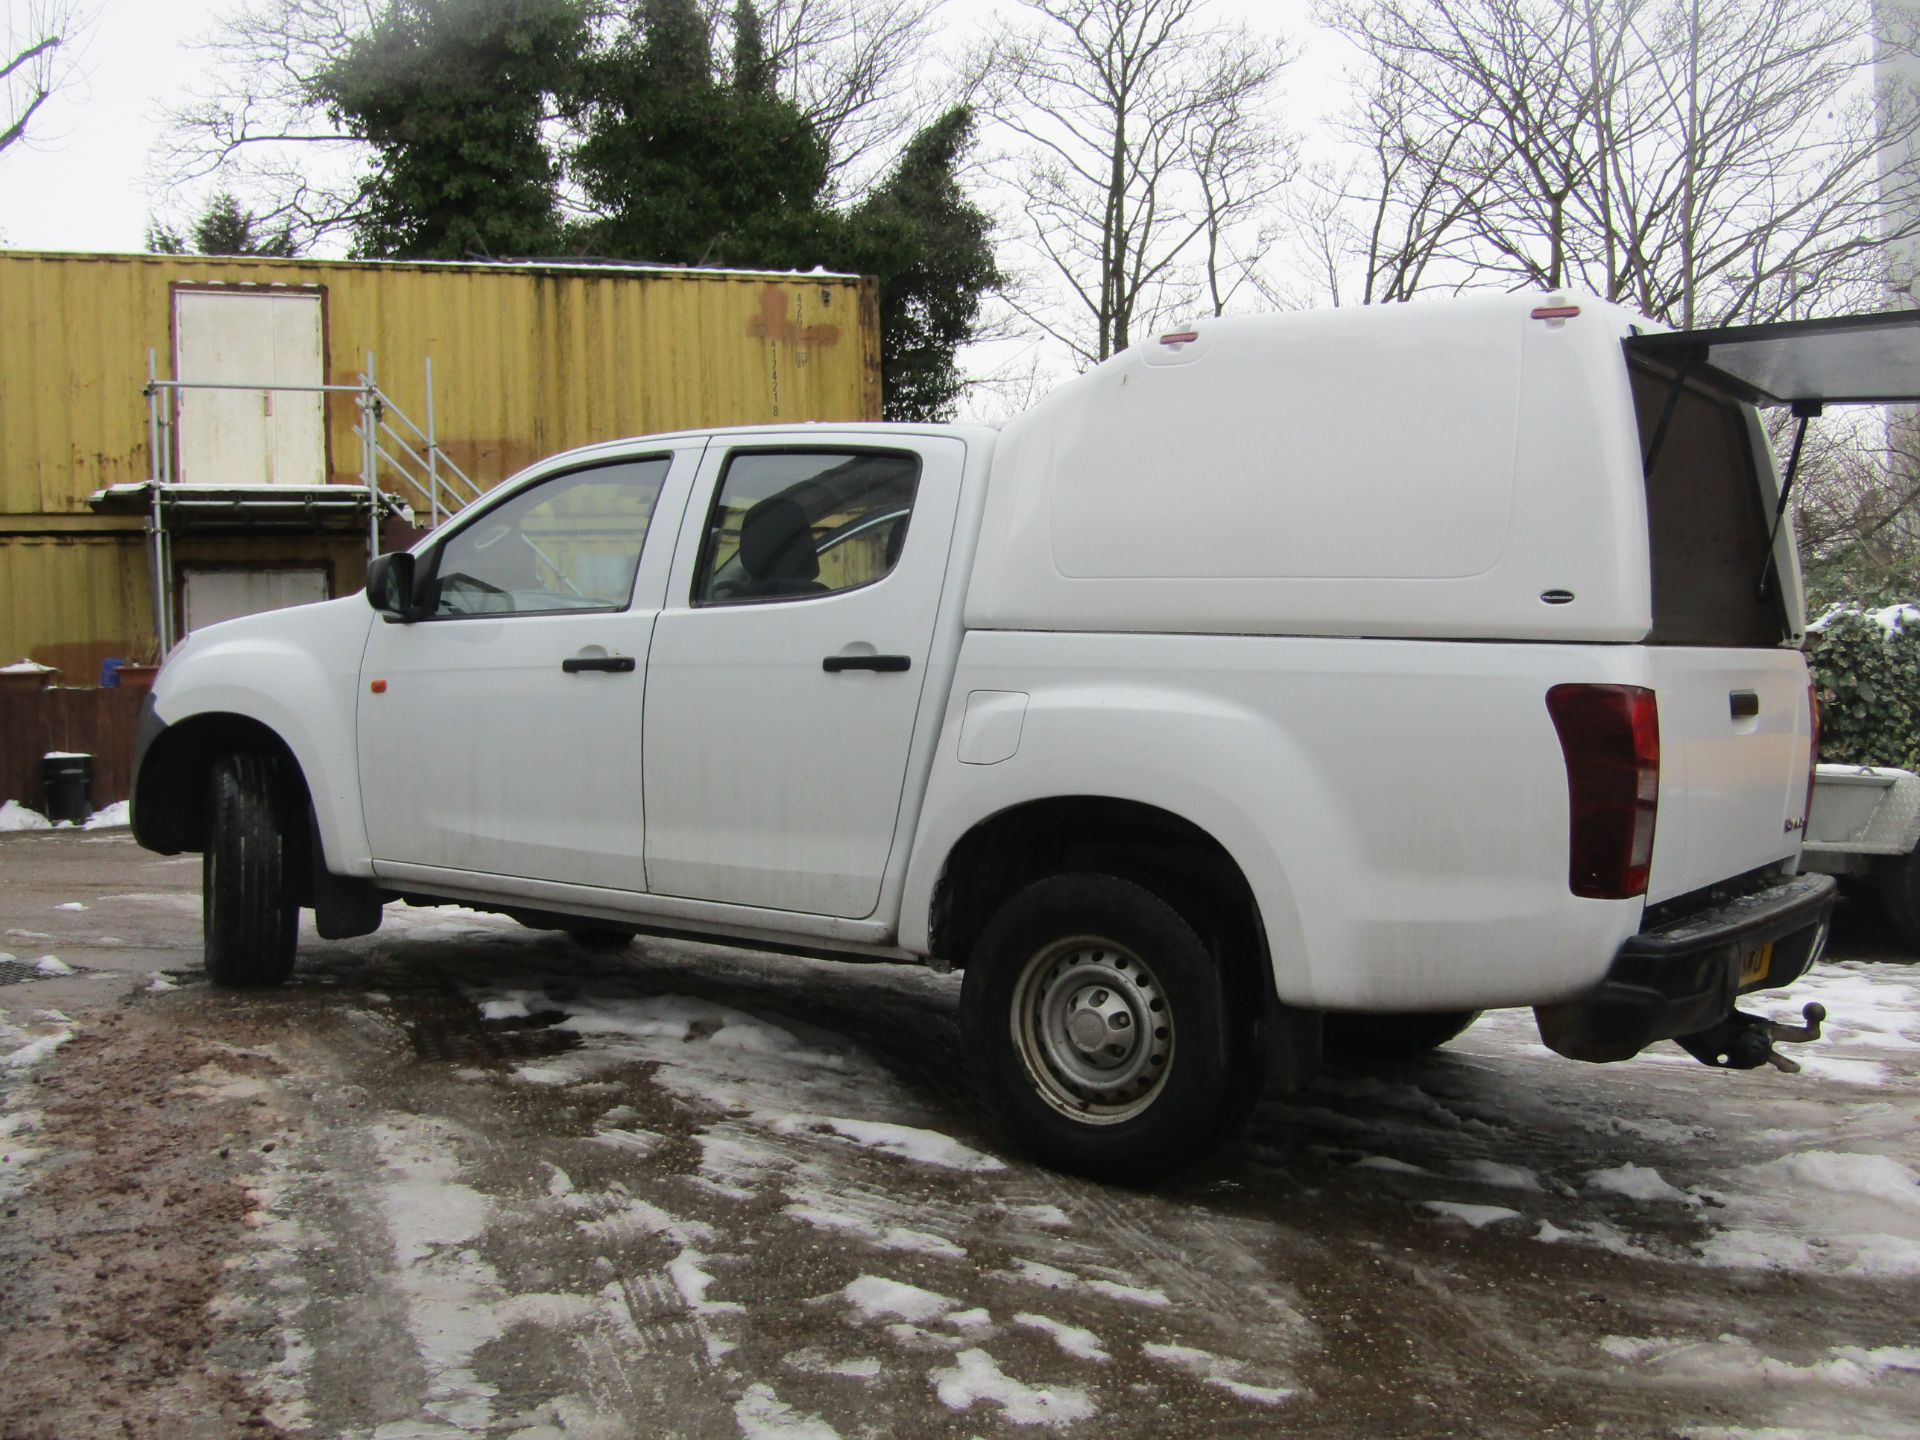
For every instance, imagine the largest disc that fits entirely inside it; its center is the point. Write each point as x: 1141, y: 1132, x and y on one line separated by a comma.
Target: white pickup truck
x: 1331, y: 674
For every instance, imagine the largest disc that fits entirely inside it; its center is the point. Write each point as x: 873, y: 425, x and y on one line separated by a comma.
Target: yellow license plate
x: 1755, y: 964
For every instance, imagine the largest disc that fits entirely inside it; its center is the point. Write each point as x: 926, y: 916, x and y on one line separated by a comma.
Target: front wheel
x: 247, y: 875
x: 1100, y: 1032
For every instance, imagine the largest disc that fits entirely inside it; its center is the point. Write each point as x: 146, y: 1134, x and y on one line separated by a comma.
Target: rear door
x: 1723, y: 657
x: 788, y: 664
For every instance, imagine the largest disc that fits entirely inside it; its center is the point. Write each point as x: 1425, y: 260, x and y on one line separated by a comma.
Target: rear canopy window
x: 1707, y: 520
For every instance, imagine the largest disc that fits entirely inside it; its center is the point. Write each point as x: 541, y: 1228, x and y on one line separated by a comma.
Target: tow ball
x: 1745, y: 1042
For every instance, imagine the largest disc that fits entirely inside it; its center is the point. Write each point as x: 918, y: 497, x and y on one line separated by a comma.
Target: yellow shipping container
x: 526, y: 360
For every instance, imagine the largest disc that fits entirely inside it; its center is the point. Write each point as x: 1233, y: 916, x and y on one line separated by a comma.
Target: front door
x: 788, y: 665
x: 501, y: 734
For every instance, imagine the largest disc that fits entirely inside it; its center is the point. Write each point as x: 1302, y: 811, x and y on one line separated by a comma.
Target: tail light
x: 1813, y: 752
x: 1610, y: 736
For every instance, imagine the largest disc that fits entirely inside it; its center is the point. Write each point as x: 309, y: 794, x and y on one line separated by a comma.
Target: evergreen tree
x: 933, y: 254
x: 684, y: 169
x: 453, y: 95
x: 753, y: 72
x: 224, y: 228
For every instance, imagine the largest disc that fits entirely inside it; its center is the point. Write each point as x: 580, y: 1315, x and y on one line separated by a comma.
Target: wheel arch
x: 169, y: 812
x: 1133, y: 840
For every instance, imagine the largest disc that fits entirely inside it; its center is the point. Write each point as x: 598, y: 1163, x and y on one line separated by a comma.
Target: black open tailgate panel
x: 1848, y: 360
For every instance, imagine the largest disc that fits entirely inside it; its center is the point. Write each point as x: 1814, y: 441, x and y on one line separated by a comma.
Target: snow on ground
x: 974, y: 1379
x: 1218, y: 1372
x: 1804, y: 1195
x: 25, y: 1041
x: 23, y: 1047
x: 14, y: 817
x: 1012, y: 1298
x: 109, y: 817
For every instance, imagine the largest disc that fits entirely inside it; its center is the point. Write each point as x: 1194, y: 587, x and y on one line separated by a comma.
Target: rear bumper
x: 1684, y: 977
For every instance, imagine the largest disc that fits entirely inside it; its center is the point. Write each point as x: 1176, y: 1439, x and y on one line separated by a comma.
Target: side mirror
x: 390, y: 586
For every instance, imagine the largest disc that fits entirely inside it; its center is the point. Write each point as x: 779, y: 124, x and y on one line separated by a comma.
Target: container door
x: 250, y: 434
x: 210, y: 596
x: 788, y: 667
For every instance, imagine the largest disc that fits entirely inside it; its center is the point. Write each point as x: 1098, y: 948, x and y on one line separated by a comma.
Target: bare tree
x: 1142, y: 149
x: 38, y: 58
x: 256, y: 127
x: 1702, y: 160
x: 853, y: 67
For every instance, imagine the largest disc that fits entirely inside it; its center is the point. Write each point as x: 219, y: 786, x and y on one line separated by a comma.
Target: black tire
x: 1897, y: 882
x: 1377, y: 1039
x: 247, y: 874
x: 1134, y: 1100
x: 601, y: 937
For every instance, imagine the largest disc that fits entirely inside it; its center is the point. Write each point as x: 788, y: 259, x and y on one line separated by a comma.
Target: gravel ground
x: 464, y: 1179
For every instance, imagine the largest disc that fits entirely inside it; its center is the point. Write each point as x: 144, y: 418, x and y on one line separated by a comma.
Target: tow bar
x: 1745, y: 1042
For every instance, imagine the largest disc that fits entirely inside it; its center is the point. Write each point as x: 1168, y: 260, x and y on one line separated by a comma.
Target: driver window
x: 569, y: 543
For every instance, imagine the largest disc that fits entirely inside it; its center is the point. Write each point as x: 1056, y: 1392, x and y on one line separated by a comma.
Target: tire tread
x: 251, y: 917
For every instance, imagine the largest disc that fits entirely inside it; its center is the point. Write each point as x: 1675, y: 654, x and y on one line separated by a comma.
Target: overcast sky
x: 82, y: 181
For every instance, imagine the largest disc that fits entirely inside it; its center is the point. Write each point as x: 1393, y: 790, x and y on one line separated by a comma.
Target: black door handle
x: 1744, y: 704
x: 618, y: 664
x: 887, y: 664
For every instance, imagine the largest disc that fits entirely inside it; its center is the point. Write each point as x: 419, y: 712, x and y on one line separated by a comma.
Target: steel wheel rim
x: 1092, y: 1025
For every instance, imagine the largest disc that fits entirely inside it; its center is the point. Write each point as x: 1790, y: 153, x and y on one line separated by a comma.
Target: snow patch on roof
x: 1894, y: 619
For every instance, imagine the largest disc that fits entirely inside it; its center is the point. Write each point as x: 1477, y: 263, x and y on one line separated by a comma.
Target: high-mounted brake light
x: 1179, y: 338
x: 1610, y: 736
x: 1555, y: 312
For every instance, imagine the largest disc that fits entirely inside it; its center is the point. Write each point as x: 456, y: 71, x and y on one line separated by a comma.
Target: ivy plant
x: 1866, y: 669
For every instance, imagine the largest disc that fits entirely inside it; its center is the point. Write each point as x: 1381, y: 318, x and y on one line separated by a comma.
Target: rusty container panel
x: 71, y: 600
x: 527, y: 361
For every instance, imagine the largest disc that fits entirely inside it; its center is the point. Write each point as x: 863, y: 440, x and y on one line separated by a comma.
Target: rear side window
x: 789, y: 524
x: 1706, y: 518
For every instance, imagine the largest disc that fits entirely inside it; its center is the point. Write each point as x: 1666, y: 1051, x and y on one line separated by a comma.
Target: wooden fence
x: 100, y: 723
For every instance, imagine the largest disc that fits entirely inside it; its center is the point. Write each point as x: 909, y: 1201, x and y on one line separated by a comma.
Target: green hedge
x: 1866, y: 665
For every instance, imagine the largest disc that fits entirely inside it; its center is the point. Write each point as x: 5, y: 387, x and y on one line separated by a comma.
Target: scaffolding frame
x: 412, y: 458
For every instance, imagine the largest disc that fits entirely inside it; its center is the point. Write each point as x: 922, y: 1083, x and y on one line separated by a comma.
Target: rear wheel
x: 1365, y: 1039
x: 1099, y: 1030
x: 248, y: 872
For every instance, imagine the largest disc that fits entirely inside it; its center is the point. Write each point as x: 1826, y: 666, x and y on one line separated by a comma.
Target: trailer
x: 1864, y: 828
